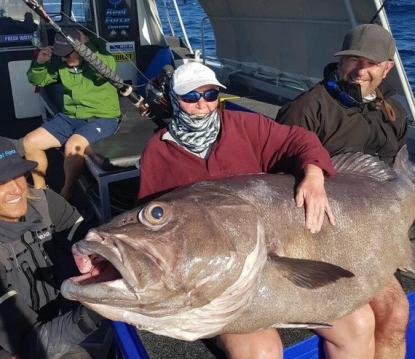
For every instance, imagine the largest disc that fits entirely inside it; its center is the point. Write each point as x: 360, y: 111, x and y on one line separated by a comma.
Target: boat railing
x: 167, y: 12
x: 179, y: 17
x: 202, y: 36
x: 398, y: 64
x: 269, y: 76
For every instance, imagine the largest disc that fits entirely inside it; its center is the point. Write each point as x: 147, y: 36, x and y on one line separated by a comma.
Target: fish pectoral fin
x: 303, y: 325
x: 307, y: 273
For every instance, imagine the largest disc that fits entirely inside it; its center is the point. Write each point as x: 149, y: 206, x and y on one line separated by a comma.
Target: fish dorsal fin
x: 403, y: 165
x: 358, y: 163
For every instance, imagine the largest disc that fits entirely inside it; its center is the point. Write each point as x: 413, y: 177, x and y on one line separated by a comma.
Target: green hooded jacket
x: 86, y: 93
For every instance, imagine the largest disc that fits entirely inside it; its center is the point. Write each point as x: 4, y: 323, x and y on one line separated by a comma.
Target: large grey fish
x: 233, y: 255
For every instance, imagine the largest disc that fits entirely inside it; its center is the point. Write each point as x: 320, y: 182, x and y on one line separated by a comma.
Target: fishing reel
x: 157, y: 94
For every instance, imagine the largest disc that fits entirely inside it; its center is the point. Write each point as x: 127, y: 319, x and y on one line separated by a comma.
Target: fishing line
x: 377, y: 12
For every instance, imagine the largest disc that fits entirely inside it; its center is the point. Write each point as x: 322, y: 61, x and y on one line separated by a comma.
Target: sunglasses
x: 194, y: 96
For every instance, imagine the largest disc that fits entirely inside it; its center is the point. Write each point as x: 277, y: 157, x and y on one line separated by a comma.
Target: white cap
x: 192, y: 75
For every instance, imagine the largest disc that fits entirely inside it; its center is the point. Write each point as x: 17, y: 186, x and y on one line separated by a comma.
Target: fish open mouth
x: 95, y: 268
x: 103, y: 273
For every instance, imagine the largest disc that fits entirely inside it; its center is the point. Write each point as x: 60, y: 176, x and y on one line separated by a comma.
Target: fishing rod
x: 91, y: 58
x: 125, y: 57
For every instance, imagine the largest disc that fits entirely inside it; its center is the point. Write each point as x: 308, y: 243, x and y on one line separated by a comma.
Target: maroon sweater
x: 247, y: 143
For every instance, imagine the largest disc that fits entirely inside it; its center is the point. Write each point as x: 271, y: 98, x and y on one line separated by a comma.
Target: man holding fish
x: 352, y: 110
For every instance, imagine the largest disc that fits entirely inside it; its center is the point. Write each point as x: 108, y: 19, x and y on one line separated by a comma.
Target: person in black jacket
x: 352, y: 110
x: 36, y: 229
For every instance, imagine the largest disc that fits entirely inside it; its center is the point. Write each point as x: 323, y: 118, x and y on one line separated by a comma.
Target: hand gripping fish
x: 232, y: 255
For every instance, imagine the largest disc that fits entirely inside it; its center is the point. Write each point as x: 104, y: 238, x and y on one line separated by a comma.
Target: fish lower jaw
x: 116, y: 290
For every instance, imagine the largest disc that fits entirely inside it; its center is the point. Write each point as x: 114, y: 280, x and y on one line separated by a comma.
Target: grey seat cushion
x: 123, y: 149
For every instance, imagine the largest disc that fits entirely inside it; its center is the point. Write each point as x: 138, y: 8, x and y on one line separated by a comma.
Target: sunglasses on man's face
x: 194, y: 96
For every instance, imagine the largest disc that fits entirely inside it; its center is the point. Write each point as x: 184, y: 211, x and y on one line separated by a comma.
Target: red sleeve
x: 165, y: 166
x: 261, y: 142
x: 146, y: 183
x: 280, y: 141
x: 148, y: 173
x: 151, y: 175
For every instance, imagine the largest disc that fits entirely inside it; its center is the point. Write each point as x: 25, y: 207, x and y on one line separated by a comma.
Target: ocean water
x: 401, y: 14
x: 192, y: 16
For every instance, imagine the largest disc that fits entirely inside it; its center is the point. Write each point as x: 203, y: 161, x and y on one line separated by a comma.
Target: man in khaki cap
x: 352, y: 110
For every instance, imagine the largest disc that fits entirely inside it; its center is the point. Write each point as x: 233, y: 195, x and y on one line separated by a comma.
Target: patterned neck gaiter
x: 194, y: 133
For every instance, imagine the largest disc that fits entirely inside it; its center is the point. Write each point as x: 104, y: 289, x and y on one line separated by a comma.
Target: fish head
x: 178, y: 252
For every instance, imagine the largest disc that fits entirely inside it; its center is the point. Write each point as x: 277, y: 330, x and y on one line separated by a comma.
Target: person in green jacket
x: 91, y: 107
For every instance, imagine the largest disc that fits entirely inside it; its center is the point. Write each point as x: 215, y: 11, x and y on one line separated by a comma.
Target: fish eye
x: 155, y: 214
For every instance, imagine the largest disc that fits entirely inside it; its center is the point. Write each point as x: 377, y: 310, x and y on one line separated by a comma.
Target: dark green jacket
x: 86, y: 94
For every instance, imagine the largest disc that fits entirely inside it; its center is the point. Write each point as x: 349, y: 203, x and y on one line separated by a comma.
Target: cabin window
x: 81, y: 12
x: 53, y: 8
x: 17, y: 23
